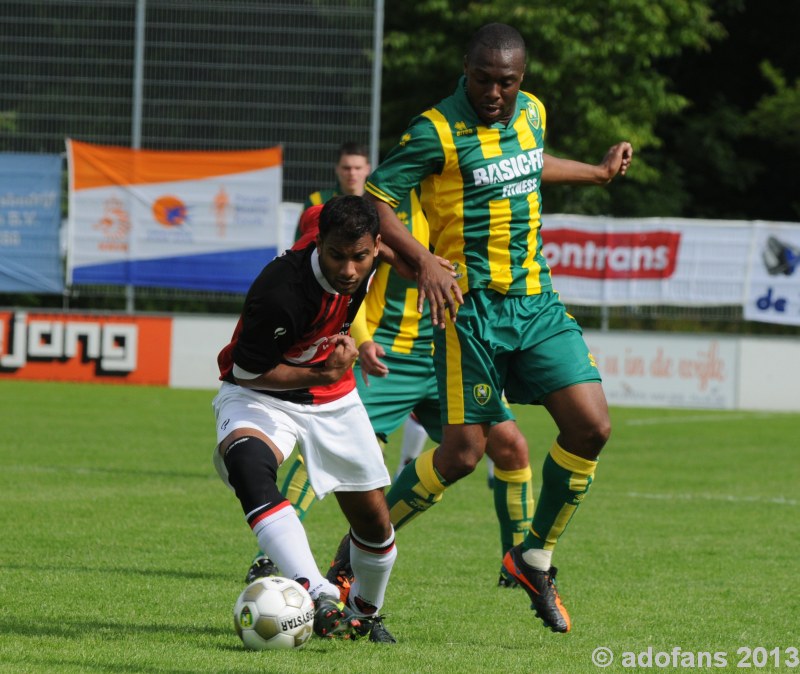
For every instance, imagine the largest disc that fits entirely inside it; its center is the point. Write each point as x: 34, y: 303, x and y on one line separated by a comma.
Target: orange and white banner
x: 194, y: 220
x: 85, y: 348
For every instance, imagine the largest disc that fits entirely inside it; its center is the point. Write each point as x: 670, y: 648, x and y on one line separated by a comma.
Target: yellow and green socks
x: 565, y: 480
x: 296, y: 487
x: 513, y: 504
x: 418, y: 487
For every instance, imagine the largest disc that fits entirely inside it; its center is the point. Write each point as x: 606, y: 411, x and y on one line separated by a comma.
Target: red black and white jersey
x: 289, y: 313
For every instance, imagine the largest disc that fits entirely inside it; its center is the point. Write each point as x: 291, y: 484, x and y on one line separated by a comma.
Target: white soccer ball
x: 274, y: 612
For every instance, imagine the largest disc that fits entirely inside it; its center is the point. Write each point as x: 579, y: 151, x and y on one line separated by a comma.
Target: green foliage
x: 594, y: 70
x: 123, y: 552
x: 777, y: 114
x: 8, y: 121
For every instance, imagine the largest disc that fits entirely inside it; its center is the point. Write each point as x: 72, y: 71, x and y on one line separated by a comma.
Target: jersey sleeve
x: 359, y: 329
x: 268, y: 331
x: 417, y: 155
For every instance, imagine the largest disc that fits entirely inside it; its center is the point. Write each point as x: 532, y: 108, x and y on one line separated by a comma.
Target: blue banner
x: 30, y: 218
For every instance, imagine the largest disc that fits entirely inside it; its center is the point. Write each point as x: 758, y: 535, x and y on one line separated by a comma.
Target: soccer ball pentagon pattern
x: 272, y: 613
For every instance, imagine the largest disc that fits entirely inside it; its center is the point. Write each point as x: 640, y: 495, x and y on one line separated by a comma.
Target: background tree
x: 683, y: 80
x: 734, y: 152
x: 592, y: 65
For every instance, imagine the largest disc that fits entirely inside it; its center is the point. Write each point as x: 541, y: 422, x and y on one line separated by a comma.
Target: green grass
x: 121, y: 551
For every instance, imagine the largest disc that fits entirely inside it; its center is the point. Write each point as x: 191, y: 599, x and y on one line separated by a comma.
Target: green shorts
x: 409, y: 387
x: 525, y: 346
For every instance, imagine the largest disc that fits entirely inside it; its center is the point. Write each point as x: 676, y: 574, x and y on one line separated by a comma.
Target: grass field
x: 121, y: 551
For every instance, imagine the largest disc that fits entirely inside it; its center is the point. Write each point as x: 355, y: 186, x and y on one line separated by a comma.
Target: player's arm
x: 369, y: 351
x: 436, y: 284
x: 284, y: 377
x: 270, y: 327
x: 616, y: 162
x: 418, y: 155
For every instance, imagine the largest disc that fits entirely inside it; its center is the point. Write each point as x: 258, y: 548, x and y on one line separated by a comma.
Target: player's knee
x: 456, y: 467
x: 458, y: 454
x: 588, y: 440
x: 252, y: 472
x: 599, y: 434
x: 372, y: 527
x: 507, y: 447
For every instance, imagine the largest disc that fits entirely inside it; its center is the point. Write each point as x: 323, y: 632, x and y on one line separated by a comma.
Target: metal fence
x: 219, y: 74
x: 190, y: 75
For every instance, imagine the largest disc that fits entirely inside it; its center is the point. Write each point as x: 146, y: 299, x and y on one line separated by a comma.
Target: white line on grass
x: 648, y: 421
x: 778, y: 500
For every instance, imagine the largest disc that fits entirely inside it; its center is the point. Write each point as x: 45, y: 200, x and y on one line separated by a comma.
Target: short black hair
x: 496, y: 36
x: 348, y: 217
x: 351, y: 147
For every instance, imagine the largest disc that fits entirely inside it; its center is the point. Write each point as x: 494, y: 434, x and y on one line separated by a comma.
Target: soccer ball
x: 273, y: 612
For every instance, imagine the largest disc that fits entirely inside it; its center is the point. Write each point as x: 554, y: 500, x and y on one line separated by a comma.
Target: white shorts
x: 336, y: 439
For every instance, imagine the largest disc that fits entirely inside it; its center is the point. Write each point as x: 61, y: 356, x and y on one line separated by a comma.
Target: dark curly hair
x: 348, y: 217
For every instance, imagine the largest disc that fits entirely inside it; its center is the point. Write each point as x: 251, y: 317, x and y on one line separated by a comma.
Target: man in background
x: 352, y: 168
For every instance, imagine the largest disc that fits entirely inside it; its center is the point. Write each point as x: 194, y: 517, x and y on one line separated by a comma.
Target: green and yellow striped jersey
x: 321, y: 197
x: 390, y: 306
x: 479, y: 190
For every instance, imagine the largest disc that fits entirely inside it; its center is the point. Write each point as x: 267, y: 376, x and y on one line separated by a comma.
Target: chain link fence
x: 218, y: 75
x: 215, y: 75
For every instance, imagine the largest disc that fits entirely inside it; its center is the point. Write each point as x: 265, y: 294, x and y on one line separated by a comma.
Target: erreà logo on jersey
x: 601, y: 255
x: 462, y: 130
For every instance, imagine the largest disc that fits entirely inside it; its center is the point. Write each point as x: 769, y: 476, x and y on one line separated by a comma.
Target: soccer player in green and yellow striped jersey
x: 479, y: 157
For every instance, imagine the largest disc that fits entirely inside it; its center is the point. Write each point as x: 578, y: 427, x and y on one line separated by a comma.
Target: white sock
x: 372, y: 565
x: 538, y: 559
x: 489, y: 467
x: 414, y: 437
x: 282, y: 537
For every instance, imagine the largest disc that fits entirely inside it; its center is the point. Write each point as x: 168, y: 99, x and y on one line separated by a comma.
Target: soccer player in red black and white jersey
x: 287, y: 379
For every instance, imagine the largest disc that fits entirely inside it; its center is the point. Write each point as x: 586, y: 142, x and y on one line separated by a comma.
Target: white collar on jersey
x: 327, y: 287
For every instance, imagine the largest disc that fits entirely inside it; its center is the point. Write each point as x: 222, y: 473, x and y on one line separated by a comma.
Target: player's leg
x: 357, y: 478
x: 296, y: 486
x: 469, y: 388
x: 567, y: 474
x: 297, y: 489
x: 248, y: 463
x: 422, y: 482
x: 581, y: 414
x: 489, y: 472
x: 513, y: 492
x: 253, y: 437
x: 557, y: 369
x: 372, y: 556
x: 414, y: 437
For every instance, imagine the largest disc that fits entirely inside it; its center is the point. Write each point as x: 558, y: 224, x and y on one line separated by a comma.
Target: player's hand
x: 618, y: 159
x: 438, y: 284
x: 369, y: 357
x: 447, y: 266
x: 342, y: 356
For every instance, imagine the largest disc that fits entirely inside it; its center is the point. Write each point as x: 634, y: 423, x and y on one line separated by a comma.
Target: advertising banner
x: 85, y: 348
x: 773, y: 291
x: 667, y: 261
x: 666, y: 370
x: 193, y: 220
x: 30, y: 218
